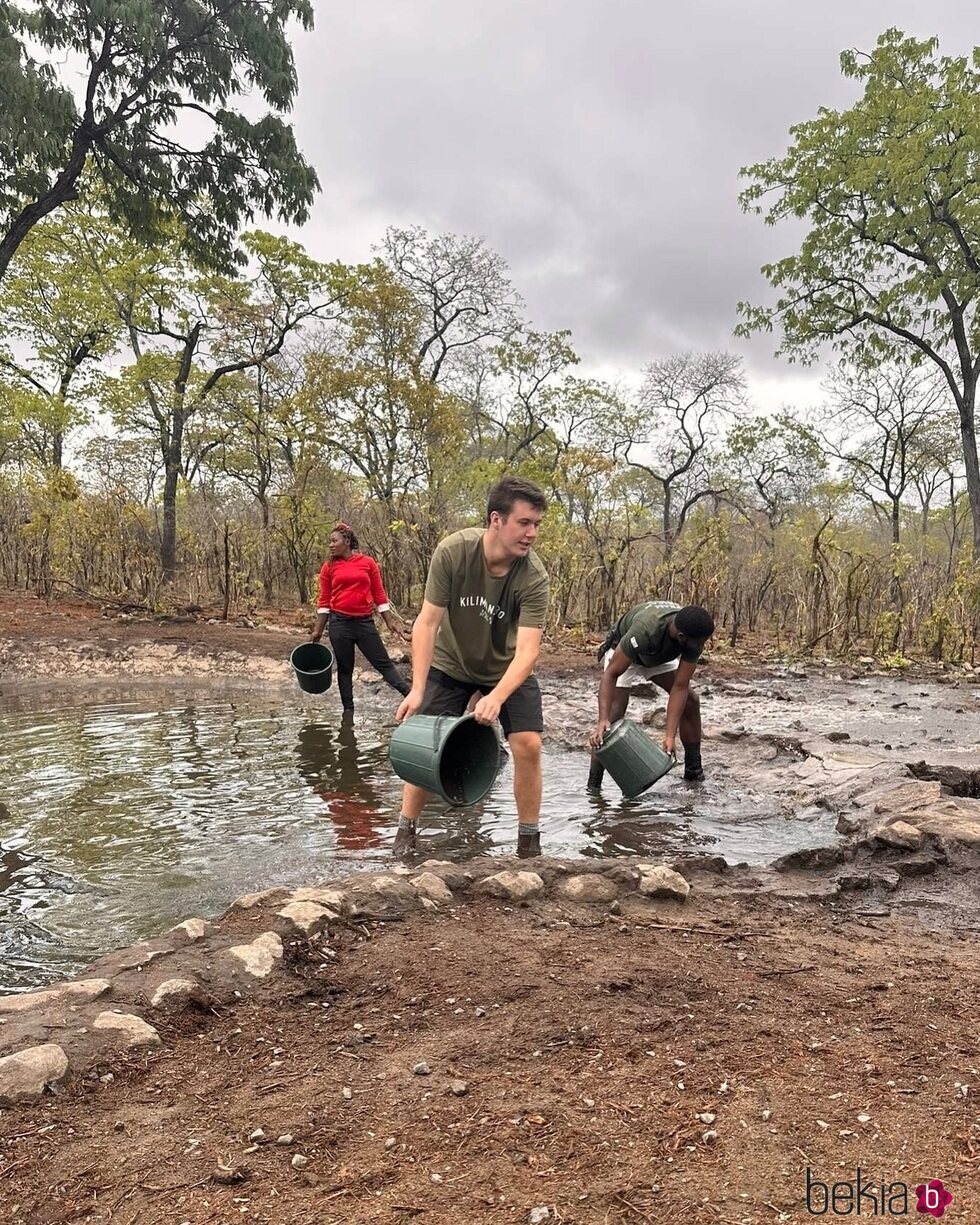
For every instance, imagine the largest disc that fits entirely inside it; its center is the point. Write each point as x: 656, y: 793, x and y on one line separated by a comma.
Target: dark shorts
x: 445, y: 695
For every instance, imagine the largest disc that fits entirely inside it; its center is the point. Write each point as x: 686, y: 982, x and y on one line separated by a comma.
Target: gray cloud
x: 595, y: 146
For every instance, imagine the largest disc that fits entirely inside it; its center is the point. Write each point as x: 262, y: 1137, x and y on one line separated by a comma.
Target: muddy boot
x: 528, y: 842
x: 693, y: 770
x: 406, y: 838
x: 596, y: 775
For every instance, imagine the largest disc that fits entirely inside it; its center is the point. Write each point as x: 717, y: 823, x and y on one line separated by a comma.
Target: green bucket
x: 456, y: 758
x: 313, y: 664
x: 632, y: 758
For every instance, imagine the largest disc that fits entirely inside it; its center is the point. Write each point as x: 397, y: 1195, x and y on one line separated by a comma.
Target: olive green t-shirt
x: 644, y: 639
x: 478, y: 635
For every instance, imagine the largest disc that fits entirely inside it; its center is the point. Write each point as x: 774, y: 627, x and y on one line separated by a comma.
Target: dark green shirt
x: 478, y: 635
x: 644, y: 639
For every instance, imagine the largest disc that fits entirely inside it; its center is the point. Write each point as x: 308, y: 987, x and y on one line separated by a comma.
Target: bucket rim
x: 311, y: 671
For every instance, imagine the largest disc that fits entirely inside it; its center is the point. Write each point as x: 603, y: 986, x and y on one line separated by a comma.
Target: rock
x: 257, y: 1136
x: 27, y: 1074
x: 230, y: 1176
x: 253, y: 901
x: 887, y: 878
x: 515, y: 886
x: 67, y: 993
x: 299, y: 1161
x: 178, y: 993
x: 538, y: 1216
x: 900, y: 834
x: 589, y: 888
x: 193, y: 929
x: 378, y: 895
x: 458, y: 1088
x: 332, y: 899
x: 260, y: 957
x: 285, y: 1139
x: 430, y: 886
x: 657, y: 880
x: 421, y: 1068
x: 915, y: 865
x: 133, y: 1032
x: 813, y: 858
x: 626, y: 876
x: 849, y: 882
x: 390, y: 1144
x: 307, y: 918
x: 451, y: 874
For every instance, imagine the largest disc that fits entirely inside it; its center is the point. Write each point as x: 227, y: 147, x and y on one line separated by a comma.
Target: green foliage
x: 153, y: 72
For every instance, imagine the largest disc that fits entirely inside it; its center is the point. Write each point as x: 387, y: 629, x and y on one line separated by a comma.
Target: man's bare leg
x: 413, y: 801
x: 526, y: 750
x: 690, y: 728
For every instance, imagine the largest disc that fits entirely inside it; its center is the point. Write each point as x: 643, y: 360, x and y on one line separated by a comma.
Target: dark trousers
x: 345, y: 634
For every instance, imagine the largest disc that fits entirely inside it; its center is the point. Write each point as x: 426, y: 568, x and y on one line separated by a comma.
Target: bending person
x: 350, y: 591
x: 661, y: 642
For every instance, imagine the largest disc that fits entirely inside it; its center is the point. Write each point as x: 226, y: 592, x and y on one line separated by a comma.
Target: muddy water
x: 126, y: 809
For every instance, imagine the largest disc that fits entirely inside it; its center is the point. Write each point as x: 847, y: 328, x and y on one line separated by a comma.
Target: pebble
x: 346, y: 1093
x: 458, y: 1088
x: 285, y: 1138
x: 421, y: 1068
x: 538, y: 1216
x: 390, y: 1143
x: 256, y: 1136
x: 299, y: 1161
x: 707, y: 1118
x: 710, y: 1137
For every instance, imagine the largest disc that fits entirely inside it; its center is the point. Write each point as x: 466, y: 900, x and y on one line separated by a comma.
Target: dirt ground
x: 270, y: 633
x: 570, y: 1051
x: 659, y: 1063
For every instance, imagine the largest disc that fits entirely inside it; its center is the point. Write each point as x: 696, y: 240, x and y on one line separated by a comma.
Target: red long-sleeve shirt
x: 352, y: 586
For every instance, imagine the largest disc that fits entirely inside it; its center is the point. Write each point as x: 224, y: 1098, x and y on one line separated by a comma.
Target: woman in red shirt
x: 350, y: 590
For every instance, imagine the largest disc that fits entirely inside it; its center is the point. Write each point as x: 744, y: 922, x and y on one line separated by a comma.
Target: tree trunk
x: 168, y: 538
x: 968, y: 435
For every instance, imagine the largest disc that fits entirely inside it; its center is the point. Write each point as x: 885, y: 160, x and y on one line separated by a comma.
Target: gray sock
x: 405, y: 822
x: 527, y: 831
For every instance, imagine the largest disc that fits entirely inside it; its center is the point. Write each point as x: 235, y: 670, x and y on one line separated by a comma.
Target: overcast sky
x: 595, y: 146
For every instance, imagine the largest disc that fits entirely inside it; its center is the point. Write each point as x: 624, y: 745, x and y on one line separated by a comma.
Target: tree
x: 462, y: 290
x: 879, y: 421
x: 189, y: 331
x: 891, y: 260
x: 777, y: 459
x: 152, y: 73
x: 680, y: 408
x: 61, y: 323
x: 381, y: 416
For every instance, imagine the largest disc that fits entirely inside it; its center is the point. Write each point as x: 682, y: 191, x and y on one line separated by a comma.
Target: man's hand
x: 669, y: 745
x: 599, y: 734
x: 487, y: 710
x: 409, y: 706
x: 315, y: 637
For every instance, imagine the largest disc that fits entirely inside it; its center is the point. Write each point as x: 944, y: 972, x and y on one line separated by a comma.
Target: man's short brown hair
x: 511, y: 489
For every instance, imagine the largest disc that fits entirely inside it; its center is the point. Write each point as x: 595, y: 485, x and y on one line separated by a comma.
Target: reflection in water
x: 125, y: 813
x: 329, y: 761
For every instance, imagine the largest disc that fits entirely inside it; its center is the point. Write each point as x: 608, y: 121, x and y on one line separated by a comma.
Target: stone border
x: 72, y: 1029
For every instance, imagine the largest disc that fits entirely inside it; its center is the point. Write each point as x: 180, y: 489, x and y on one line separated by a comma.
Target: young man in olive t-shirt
x: 479, y: 630
x: 662, y: 642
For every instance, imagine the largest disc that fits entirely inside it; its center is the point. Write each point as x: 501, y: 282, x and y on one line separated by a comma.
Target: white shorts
x: 635, y: 675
